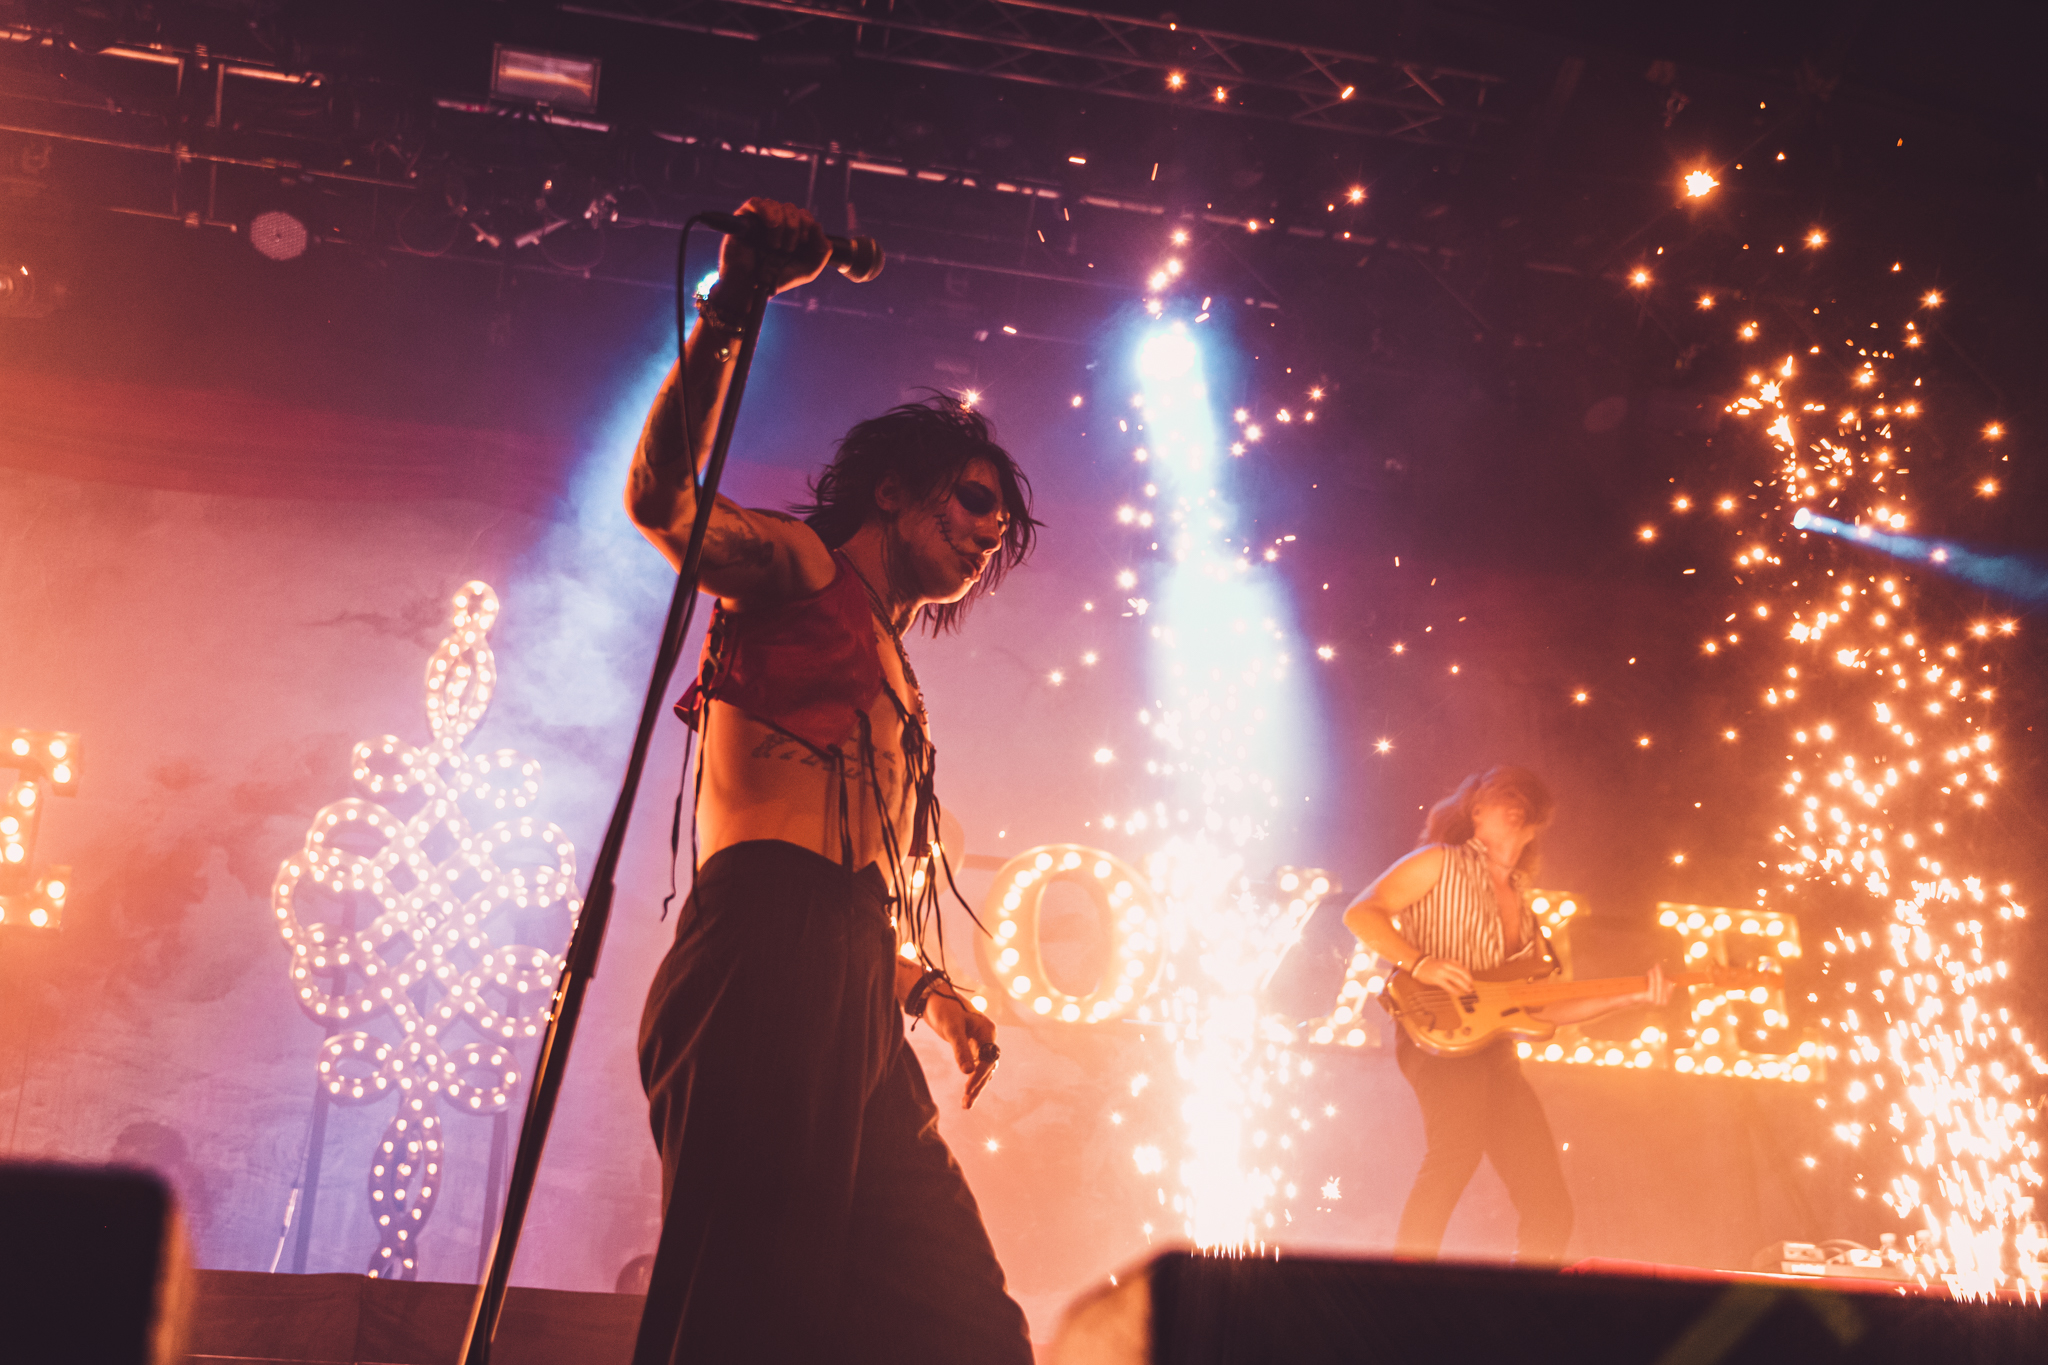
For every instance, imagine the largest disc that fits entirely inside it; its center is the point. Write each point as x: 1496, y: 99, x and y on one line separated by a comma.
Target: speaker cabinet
x: 92, y: 1267
x: 1183, y: 1309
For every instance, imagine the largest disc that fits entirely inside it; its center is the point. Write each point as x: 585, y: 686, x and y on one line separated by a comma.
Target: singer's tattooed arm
x: 750, y: 557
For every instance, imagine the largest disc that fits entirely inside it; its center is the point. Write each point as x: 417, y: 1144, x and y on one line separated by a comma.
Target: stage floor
x: 257, y: 1319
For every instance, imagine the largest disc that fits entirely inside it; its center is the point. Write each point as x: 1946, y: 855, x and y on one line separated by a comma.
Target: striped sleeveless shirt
x: 1460, y: 919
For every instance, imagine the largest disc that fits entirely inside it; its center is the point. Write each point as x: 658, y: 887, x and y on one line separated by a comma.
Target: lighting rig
x: 501, y: 153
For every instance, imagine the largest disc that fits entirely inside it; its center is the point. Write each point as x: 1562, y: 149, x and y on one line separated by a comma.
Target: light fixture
x: 27, y: 290
x: 278, y: 235
x: 554, y: 79
x: 39, y: 763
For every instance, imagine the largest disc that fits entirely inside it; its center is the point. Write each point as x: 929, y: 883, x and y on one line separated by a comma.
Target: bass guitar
x: 1502, y: 1000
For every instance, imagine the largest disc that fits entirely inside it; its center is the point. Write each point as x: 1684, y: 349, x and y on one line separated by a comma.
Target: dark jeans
x: 1475, y: 1106
x: 810, y: 1210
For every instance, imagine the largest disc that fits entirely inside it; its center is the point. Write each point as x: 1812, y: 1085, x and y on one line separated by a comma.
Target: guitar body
x: 1503, y: 1001
x: 1450, y: 1025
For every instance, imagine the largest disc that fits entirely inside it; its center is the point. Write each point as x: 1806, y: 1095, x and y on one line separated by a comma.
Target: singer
x: 810, y: 1210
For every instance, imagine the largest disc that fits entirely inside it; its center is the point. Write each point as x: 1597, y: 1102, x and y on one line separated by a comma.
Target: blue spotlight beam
x: 1226, y: 673
x: 2014, y: 576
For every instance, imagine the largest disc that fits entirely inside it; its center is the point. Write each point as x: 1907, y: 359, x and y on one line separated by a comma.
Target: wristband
x: 713, y: 315
x: 1419, y: 960
x: 920, y: 994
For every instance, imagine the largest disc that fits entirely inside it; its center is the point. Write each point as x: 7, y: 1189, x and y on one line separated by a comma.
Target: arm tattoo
x: 739, y: 547
x: 733, y: 540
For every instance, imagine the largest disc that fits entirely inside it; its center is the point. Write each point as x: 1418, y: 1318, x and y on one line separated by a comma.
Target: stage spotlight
x: 278, y: 236
x: 552, y: 79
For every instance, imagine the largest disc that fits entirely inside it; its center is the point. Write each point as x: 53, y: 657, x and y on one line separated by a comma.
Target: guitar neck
x: 1550, y: 992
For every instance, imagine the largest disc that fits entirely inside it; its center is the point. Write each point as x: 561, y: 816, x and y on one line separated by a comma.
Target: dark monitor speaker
x: 1183, y: 1309
x: 92, y: 1267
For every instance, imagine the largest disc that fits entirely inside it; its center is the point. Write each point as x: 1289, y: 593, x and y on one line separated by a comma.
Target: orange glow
x: 1699, y: 184
x: 1175, y: 80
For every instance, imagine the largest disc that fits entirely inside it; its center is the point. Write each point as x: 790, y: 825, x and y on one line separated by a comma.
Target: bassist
x: 1456, y: 905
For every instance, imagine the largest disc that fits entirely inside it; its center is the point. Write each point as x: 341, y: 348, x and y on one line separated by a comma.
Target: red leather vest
x: 807, y: 667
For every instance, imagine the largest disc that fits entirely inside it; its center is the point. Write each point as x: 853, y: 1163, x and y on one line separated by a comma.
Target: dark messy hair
x: 1450, y: 820
x: 926, y: 445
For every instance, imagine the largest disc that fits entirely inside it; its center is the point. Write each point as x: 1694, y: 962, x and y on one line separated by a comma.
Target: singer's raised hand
x: 788, y: 249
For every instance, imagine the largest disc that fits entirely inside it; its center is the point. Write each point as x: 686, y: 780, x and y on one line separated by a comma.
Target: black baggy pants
x: 810, y: 1210
x: 1474, y: 1106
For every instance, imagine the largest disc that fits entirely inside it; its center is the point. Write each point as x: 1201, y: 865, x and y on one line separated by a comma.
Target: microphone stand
x: 580, y: 961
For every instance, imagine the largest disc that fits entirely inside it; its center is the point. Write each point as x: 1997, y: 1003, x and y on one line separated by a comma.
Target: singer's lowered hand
x: 789, y: 249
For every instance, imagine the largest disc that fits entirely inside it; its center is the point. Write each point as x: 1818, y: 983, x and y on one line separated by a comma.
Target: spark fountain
x: 1228, y: 702
x: 1885, y: 694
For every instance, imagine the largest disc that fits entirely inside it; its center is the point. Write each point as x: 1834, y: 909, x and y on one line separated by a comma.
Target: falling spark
x: 1892, y: 756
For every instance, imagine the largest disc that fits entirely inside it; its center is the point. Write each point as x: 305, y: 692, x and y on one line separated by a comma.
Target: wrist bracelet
x: 920, y: 994
x: 712, y: 315
x: 1419, y: 960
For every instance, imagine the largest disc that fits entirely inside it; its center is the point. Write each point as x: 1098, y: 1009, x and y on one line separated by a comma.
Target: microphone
x: 860, y: 259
